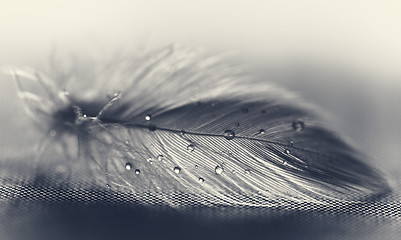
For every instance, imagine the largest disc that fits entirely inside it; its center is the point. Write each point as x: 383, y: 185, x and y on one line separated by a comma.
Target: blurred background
x: 343, y: 56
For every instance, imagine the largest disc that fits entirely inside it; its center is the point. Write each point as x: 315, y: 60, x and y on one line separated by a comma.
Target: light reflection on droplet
x: 177, y: 170
x: 190, y: 147
x: 137, y: 171
x: 148, y: 117
x: 229, y: 134
x: 298, y: 125
x: 128, y: 166
x: 218, y: 170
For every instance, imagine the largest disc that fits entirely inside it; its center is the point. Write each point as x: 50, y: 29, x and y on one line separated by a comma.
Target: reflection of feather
x: 180, y: 122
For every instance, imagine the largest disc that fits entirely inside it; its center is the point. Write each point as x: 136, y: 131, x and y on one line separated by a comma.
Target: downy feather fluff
x: 178, y: 122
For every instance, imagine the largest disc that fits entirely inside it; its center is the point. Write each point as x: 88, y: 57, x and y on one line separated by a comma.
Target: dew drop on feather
x: 298, y: 125
x: 218, y: 170
x: 190, y: 148
x: 177, y: 170
x: 229, y: 134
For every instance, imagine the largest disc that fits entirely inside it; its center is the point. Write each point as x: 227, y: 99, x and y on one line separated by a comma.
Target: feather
x: 177, y: 121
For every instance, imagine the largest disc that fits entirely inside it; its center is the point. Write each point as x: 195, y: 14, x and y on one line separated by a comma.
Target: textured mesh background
x: 42, y: 209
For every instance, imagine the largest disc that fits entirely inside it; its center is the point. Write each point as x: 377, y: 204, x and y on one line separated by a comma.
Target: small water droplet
x: 190, y: 147
x: 126, y: 142
x: 298, y: 125
x: 247, y: 171
x: 261, y: 131
x: 291, y: 143
x: 53, y: 133
x: 160, y: 158
x: 196, y: 166
x: 84, y: 115
x: 150, y: 160
x: 287, y: 151
x: 201, y: 180
x: 137, y: 171
x: 148, y: 117
x: 128, y: 166
x: 229, y: 134
x: 177, y: 170
x: 245, y: 110
x: 182, y: 132
x: 108, y: 185
x: 218, y: 170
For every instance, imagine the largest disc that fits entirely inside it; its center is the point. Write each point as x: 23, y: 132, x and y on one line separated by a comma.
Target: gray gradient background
x: 344, y: 56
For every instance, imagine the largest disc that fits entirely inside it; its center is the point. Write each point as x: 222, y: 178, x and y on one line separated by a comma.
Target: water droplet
x: 229, y: 134
x: 148, y: 117
x: 182, y: 132
x: 196, y: 166
x: 218, y: 170
x: 108, y: 185
x: 291, y: 143
x: 177, y: 170
x: 126, y: 142
x: 190, y: 147
x: 160, y: 158
x: 128, y: 166
x: 137, y: 171
x: 84, y: 115
x: 247, y: 171
x: 201, y: 180
x: 261, y: 131
x: 298, y: 125
x: 150, y: 160
x: 245, y: 110
x: 287, y: 151
x: 53, y: 133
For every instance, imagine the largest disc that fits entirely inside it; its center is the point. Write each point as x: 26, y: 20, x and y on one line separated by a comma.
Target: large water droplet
x: 298, y: 125
x: 201, y: 180
x: 177, y: 170
x: 148, y: 117
x: 128, y: 166
x: 218, y: 170
x: 229, y: 134
x: 137, y: 171
x: 190, y: 147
